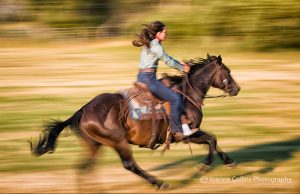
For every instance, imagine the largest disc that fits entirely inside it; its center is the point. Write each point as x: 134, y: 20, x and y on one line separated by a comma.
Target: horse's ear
x: 220, y: 58
x: 208, y: 55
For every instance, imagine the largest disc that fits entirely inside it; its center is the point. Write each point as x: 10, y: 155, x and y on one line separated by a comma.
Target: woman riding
x: 150, y: 38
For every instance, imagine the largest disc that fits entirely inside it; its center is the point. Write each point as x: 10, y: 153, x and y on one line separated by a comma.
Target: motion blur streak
x: 55, y: 55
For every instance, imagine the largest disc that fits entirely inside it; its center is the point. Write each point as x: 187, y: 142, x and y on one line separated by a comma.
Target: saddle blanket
x: 141, y: 104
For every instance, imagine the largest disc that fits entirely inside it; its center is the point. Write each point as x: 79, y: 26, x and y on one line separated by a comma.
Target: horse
x: 99, y: 123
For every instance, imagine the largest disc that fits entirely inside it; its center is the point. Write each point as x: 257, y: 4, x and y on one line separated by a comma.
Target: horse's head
x: 222, y: 78
x: 212, y: 72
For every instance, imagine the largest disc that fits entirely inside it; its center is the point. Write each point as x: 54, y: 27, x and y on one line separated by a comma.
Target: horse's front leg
x: 200, y: 137
x: 225, y: 158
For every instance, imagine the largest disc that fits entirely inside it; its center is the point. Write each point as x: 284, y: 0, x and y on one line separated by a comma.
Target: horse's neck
x: 200, y: 82
x: 201, y: 86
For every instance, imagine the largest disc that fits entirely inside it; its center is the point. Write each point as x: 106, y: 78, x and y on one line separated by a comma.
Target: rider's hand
x: 186, y: 67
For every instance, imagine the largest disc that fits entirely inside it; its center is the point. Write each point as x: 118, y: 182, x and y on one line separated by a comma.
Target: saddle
x: 143, y: 105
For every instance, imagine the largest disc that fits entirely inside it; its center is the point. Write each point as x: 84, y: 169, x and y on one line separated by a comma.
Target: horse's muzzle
x: 233, y: 91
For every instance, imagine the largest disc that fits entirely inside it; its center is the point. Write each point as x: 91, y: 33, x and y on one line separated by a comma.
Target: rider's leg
x: 163, y: 92
x: 177, y: 107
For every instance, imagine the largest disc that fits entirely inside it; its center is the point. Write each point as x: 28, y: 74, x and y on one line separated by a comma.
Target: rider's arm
x: 159, y: 51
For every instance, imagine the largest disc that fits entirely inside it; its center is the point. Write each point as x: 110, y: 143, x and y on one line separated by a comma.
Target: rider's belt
x: 148, y: 70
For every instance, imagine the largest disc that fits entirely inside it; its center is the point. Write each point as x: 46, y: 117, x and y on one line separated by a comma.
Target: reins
x: 187, y: 84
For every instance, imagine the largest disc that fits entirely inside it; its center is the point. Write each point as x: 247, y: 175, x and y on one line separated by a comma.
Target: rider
x: 150, y: 38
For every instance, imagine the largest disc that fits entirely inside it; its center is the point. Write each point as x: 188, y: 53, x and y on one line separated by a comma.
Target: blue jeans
x: 165, y: 93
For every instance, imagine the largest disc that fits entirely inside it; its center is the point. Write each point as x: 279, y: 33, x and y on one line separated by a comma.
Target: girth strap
x: 153, y: 139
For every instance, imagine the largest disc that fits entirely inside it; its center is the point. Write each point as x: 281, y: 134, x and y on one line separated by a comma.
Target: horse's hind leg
x: 89, y: 160
x: 84, y: 182
x: 129, y: 163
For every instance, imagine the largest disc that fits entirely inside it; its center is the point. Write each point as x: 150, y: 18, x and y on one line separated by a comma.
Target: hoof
x: 164, y: 186
x: 233, y: 164
x: 203, y: 168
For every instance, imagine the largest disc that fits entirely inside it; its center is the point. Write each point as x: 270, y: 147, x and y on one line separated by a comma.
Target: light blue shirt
x: 150, y: 57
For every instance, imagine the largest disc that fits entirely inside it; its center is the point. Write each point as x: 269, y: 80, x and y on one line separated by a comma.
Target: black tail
x: 46, y: 141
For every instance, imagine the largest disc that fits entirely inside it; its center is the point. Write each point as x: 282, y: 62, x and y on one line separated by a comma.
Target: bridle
x: 225, y: 82
x: 187, y: 84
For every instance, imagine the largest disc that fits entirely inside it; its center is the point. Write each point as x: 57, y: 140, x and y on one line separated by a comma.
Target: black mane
x: 196, y: 64
x: 199, y: 63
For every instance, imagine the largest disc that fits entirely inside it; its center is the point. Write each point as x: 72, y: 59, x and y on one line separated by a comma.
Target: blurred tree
x: 264, y: 24
x: 14, y: 11
x: 72, y: 13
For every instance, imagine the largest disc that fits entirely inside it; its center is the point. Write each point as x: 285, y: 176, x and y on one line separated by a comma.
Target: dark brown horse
x: 98, y: 122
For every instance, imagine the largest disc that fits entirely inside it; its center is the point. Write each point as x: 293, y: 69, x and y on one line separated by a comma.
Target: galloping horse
x: 99, y: 123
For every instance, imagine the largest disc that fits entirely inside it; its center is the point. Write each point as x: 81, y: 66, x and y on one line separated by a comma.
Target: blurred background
x: 250, y: 24
x: 55, y: 55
